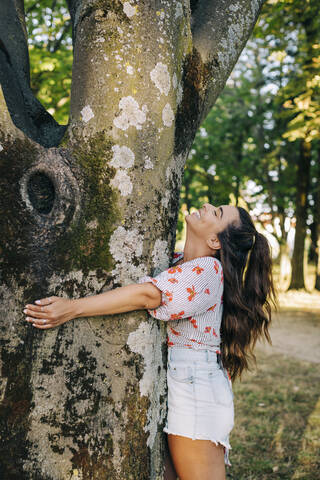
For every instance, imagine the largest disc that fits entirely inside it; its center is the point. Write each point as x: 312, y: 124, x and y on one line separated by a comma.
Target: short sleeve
x: 188, y: 289
x: 176, y: 257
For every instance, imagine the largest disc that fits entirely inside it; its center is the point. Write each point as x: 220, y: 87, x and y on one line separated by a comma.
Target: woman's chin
x: 191, y: 224
x: 189, y: 218
x: 192, y: 217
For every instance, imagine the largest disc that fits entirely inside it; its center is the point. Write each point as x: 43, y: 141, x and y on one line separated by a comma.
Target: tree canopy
x: 247, y: 150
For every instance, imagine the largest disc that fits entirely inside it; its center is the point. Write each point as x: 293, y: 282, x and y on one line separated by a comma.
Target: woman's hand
x: 49, y: 312
x: 53, y: 311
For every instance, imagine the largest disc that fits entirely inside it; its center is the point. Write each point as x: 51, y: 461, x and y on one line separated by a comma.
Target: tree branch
x: 220, y: 30
x: 27, y: 113
x: 7, y: 127
x: 55, y: 44
x: 73, y: 5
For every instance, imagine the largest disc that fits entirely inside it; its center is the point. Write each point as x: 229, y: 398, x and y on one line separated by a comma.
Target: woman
x: 216, y: 301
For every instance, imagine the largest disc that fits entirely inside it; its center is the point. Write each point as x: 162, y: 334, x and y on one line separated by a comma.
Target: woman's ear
x: 214, y: 243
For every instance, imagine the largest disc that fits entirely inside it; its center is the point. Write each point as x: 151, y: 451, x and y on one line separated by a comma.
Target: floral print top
x: 191, y: 302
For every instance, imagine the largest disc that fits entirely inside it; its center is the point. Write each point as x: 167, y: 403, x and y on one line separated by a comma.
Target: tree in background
x: 316, y: 218
x: 271, y: 103
x: 91, y: 205
x: 301, y: 101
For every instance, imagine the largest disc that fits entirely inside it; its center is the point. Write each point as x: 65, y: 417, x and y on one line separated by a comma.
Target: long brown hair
x: 248, y: 292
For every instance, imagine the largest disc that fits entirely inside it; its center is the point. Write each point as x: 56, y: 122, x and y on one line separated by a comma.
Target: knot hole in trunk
x: 41, y: 192
x: 50, y: 190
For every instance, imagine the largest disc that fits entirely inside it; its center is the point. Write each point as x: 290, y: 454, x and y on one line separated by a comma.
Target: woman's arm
x: 53, y: 311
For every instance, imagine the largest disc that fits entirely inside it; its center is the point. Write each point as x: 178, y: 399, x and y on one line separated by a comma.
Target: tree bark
x: 316, y: 219
x: 92, y: 210
x: 303, y: 180
x: 284, y: 257
x: 26, y: 111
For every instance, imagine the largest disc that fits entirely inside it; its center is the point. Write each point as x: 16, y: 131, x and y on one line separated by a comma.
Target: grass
x: 277, y: 429
x: 277, y: 406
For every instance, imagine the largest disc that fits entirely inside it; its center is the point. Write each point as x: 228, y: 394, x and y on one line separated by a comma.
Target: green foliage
x: 50, y: 48
x: 294, y: 28
x: 248, y: 147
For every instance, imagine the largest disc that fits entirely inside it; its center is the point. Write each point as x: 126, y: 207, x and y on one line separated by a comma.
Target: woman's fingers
x: 43, y: 326
x: 35, y: 314
x: 39, y: 321
x: 40, y: 308
x: 42, y: 322
x: 47, y: 312
x: 36, y: 308
x: 46, y: 301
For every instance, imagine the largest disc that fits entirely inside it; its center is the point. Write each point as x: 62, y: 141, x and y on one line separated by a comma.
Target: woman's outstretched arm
x: 53, y: 311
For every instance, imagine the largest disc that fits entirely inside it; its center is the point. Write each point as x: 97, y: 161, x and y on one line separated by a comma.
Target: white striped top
x: 191, y: 302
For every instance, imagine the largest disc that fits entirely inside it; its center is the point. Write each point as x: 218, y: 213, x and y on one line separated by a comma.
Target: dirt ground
x: 277, y: 429
x: 295, y: 333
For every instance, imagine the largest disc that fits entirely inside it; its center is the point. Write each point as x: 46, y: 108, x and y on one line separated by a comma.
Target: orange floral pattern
x: 173, y: 280
x: 176, y: 316
x: 192, y: 296
x: 198, y: 270
x: 169, y: 295
x: 192, y: 293
x: 196, y: 341
x: 175, y: 332
x: 216, y: 266
x: 176, y: 269
x: 194, y: 322
x: 211, y: 309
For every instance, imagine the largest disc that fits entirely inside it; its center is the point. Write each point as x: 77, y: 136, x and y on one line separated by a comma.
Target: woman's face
x: 208, y: 221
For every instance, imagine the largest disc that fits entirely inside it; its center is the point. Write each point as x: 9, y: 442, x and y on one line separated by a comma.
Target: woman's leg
x: 197, y: 459
x: 169, y: 471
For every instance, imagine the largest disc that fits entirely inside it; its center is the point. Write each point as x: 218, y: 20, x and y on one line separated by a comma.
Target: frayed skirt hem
x: 225, y: 445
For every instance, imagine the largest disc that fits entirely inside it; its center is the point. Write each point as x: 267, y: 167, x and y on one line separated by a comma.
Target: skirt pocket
x: 180, y: 373
x: 221, y: 388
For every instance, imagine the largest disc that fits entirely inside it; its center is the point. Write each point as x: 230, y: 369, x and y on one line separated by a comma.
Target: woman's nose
x: 208, y: 205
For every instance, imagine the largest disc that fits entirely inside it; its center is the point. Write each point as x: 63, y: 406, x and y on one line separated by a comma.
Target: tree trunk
x: 284, y: 257
x: 316, y: 219
x: 317, y: 282
x: 285, y: 264
x: 94, y: 207
x: 303, y: 180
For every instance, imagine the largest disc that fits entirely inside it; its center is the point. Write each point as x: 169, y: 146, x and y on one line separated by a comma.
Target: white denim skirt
x: 200, y: 398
